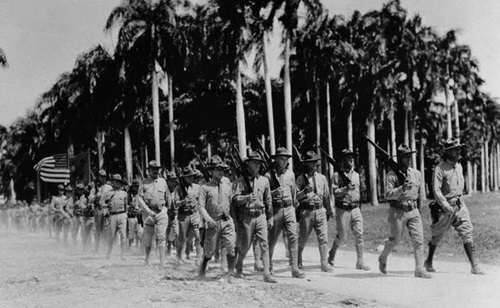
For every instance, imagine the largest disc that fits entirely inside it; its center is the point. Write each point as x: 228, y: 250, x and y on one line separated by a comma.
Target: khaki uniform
x: 134, y: 228
x: 99, y: 219
x: 77, y: 220
x: 188, y: 218
x: 214, y: 202
x: 116, y: 201
x: 448, y: 184
x: 254, y: 219
x: 315, y: 206
x: 62, y: 220
x: 156, y: 195
x: 284, y: 216
x: 404, y: 212
x: 88, y: 225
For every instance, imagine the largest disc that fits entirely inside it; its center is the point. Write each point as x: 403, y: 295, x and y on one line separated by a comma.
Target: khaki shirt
x: 155, y: 192
x: 57, y: 203
x: 115, y: 200
x: 193, y: 190
x: 261, y: 189
x: 341, y: 192
x: 97, y: 192
x: 320, y: 193
x: 448, y: 182
x: 215, y: 199
x: 395, y: 191
x: 286, y: 181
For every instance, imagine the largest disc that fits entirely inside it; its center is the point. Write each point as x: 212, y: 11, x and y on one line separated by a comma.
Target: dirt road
x: 37, y: 272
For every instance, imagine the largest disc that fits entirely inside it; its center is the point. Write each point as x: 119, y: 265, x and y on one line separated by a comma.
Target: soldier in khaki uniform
x: 284, y: 199
x: 134, y: 228
x: 214, y: 204
x: 56, y: 205
x: 187, y: 208
x: 255, y: 203
x: 347, y: 209
x: 448, y: 185
x: 115, y: 206
x: 313, y: 195
x: 153, y: 196
x: 404, y: 211
x: 96, y: 192
x: 173, y: 223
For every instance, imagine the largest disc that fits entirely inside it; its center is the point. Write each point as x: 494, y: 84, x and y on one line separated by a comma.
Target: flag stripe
x: 54, y: 169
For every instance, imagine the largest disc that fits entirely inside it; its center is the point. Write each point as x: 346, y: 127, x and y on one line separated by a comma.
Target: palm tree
x: 151, y: 28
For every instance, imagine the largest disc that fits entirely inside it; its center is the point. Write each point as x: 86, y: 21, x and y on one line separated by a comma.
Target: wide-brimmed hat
x: 403, y: 149
x: 452, y: 143
x: 254, y: 156
x: 188, y: 171
x: 216, y: 162
x: 69, y: 188
x: 170, y: 175
x: 118, y: 178
x: 154, y: 165
x: 60, y: 187
x: 348, y: 152
x: 281, y: 152
x: 80, y: 186
x: 102, y: 173
x: 310, y: 157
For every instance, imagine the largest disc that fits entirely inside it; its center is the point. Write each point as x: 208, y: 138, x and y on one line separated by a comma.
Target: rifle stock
x: 204, y: 169
x: 243, y: 171
x: 388, y: 160
x: 182, y: 183
x: 274, y: 182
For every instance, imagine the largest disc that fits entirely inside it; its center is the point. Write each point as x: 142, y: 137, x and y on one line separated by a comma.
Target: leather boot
x: 162, y: 257
x: 203, y: 267
x: 231, y: 260
x: 360, y: 264
x: 325, y: 267
x: 169, y: 248
x: 257, y: 254
x: 470, y: 251
x: 299, y: 259
x: 296, y: 272
x: 428, y: 263
x: 420, y: 271
x: 332, y: 253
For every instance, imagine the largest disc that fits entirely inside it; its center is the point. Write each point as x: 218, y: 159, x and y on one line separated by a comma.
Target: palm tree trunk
x: 128, y: 153
x: 350, y: 143
x: 372, y: 169
x: 240, y: 115
x: 497, y: 169
x: 411, y: 135
x: 156, y: 111
x: 457, y: 122
x: 486, y: 166
x: 171, y: 120
x: 449, y: 133
x: 406, y: 139
x: 393, y: 135
x: 13, y: 196
x: 100, y: 148
x: 329, y: 128
x: 318, y: 120
x: 483, y: 177
x: 288, y: 97
x: 474, y: 177
x: 269, y: 96
x: 423, y: 192
x: 209, y: 150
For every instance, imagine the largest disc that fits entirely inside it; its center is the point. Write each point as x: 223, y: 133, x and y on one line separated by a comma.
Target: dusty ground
x: 37, y: 272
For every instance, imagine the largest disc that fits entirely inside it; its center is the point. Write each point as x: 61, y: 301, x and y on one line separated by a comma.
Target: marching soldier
x: 87, y: 210
x: 284, y: 199
x: 67, y: 221
x: 404, y: 211
x: 214, y: 202
x: 313, y: 195
x: 347, y: 209
x: 448, y: 184
x: 97, y: 191
x: 134, y: 228
x: 115, y: 207
x: 153, y: 196
x: 186, y: 202
x: 79, y: 204
x: 173, y: 224
x: 56, y: 205
x: 256, y: 204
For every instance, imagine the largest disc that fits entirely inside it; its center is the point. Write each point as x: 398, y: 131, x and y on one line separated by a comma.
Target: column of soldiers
x: 211, y: 215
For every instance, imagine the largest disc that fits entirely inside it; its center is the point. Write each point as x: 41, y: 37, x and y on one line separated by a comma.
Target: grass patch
x: 485, y: 215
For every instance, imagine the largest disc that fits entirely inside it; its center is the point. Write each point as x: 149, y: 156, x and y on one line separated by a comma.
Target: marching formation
x: 221, y: 208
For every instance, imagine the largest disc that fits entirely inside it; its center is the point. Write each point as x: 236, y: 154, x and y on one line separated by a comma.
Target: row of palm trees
x: 375, y: 74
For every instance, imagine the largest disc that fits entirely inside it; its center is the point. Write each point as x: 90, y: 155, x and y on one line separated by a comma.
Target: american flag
x: 54, y: 169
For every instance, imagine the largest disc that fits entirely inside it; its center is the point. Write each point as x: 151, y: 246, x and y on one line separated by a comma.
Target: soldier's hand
x: 211, y: 223
x: 151, y: 213
x: 252, y: 198
x: 308, y: 189
x: 328, y: 216
x: 278, y: 192
x: 447, y: 209
x: 270, y: 223
x: 407, y: 185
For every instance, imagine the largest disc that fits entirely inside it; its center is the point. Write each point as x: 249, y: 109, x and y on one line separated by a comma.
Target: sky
x: 42, y: 39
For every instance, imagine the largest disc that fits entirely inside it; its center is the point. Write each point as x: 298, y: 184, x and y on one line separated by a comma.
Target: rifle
x: 182, y: 183
x: 389, y: 161
x: 297, y: 156
x: 274, y: 182
x: 243, y: 171
x: 204, y: 169
x: 336, y: 166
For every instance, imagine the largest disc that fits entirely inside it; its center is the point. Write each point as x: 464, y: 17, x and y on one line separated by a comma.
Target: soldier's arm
x: 177, y: 202
x: 301, y: 193
x: 339, y: 191
x: 437, y: 182
x: 394, y: 189
x: 293, y: 190
x: 419, y: 190
x: 237, y: 193
x: 268, y: 201
x: 327, y: 198
x: 201, y: 204
x: 140, y: 201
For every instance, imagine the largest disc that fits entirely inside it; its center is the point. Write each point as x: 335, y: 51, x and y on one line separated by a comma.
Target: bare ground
x: 37, y: 272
